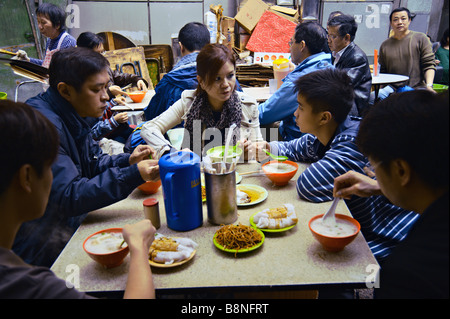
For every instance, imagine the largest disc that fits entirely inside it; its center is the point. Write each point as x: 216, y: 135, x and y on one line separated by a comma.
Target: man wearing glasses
x: 395, y: 136
x: 308, y: 51
x: 349, y: 57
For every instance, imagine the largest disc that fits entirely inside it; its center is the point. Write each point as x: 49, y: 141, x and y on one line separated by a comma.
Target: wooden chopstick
x: 248, y: 173
x: 7, y: 52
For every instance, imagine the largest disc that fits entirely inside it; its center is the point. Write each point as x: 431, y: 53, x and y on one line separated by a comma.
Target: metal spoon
x: 329, y: 218
x: 275, y: 157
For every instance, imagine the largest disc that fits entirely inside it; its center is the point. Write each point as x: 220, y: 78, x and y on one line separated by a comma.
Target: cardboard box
x: 267, y: 58
x: 227, y: 30
x: 287, y: 13
x: 242, y: 40
x: 249, y: 15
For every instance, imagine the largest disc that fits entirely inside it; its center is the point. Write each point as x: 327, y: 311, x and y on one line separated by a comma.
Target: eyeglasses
x: 332, y: 36
x: 291, y: 42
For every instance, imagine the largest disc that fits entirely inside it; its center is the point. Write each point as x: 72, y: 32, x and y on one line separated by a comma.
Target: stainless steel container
x: 221, y: 197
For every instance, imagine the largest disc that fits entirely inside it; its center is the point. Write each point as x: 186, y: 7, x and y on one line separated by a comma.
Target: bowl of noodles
x: 238, y: 238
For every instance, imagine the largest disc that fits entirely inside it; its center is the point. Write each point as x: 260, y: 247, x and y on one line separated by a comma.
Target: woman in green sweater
x: 442, y: 57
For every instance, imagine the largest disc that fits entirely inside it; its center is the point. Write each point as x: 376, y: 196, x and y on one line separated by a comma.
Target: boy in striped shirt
x: 325, y: 98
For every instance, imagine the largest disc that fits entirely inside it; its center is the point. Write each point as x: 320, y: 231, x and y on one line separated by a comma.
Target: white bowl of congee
x: 334, y: 238
x: 280, y: 173
x: 107, y: 247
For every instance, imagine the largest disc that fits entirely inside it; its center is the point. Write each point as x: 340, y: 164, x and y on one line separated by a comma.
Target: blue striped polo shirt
x: 383, y: 224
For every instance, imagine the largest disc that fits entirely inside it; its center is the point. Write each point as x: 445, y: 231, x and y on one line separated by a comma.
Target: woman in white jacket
x: 209, y: 110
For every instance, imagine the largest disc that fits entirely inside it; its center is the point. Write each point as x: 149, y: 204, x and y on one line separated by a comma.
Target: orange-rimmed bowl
x: 137, y: 96
x: 280, y: 178
x: 150, y: 187
x: 110, y: 259
x: 335, y: 244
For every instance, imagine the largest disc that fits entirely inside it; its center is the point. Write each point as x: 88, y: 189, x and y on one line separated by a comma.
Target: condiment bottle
x: 151, y: 211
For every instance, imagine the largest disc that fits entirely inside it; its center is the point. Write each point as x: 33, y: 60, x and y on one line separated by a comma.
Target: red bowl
x: 108, y: 260
x: 137, y: 96
x: 280, y: 179
x: 335, y: 244
x: 150, y: 187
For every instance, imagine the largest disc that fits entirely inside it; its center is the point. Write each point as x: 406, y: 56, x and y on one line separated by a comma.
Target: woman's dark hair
x: 210, y: 60
x: 346, y: 24
x: 412, y: 126
x: 329, y: 89
x: 26, y: 137
x: 399, y: 9
x: 444, y: 39
x: 55, y: 14
x: 74, y: 65
x: 194, y: 36
x: 314, y: 35
x: 89, y: 40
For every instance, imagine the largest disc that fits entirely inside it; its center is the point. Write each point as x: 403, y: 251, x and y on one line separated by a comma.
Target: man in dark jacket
x: 85, y: 179
x: 395, y: 136
x: 349, y: 57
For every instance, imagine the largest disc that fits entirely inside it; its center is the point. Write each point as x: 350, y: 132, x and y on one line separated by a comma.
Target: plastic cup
x: 280, y: 70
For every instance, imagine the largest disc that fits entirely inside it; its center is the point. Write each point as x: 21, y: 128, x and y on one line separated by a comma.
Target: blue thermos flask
x: 180, y: 179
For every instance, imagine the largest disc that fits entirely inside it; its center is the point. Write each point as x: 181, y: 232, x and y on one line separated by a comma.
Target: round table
x: 386, y: 78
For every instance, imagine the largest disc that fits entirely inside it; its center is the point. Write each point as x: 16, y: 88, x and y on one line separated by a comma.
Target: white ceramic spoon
x: 227, y: 144
x: 329, y: 218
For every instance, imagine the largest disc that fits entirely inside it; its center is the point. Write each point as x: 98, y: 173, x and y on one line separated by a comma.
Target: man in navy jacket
x: 85, y: 179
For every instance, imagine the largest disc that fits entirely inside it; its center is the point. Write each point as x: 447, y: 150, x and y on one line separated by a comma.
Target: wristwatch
x: 430, y: 85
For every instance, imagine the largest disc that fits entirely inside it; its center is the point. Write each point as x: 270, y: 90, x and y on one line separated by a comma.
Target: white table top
x: 135, y: 106
x: 260, y: 93
x: 292, y: 259
x: 386, y: 78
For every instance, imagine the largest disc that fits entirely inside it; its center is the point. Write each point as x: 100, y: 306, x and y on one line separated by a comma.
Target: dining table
x: 261, y: 94
x: 385, y: 79
x: 132, y: 106
x: 290, y: 262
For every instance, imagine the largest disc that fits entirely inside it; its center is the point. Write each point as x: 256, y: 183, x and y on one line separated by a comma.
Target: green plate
x: 440, y: 87
x: 219, y: 246
x: 270, y: 230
